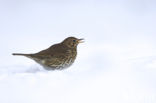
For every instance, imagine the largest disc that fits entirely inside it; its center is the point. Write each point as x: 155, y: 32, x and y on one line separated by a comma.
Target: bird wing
x: 54, y: 53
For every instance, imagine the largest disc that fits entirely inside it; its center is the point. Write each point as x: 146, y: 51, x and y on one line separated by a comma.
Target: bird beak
x: 80, y: 40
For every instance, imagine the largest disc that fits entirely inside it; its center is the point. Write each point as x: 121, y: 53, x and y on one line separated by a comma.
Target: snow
x: 116, y: 64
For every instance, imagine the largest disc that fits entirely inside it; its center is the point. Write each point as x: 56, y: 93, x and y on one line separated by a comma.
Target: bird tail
x: 20, y: 54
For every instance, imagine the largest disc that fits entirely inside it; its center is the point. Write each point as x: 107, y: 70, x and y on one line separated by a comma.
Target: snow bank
x: 116, y: 64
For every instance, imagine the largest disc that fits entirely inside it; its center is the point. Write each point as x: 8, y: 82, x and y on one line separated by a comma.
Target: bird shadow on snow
x: 150, y: 61
x: 16, y: 69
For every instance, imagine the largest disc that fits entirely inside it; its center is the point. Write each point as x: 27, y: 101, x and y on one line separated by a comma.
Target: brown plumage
x: 58, y: 56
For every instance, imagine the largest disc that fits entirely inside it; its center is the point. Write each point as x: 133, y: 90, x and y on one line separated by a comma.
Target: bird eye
x: 74, y: 40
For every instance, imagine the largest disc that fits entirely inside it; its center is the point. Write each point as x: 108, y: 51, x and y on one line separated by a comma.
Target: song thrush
x: 58, y: 56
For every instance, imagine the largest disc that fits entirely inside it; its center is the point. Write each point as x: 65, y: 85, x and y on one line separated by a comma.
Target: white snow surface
x: 116, y: 64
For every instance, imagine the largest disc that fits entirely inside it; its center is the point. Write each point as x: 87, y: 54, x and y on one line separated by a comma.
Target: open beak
x: 80, y: 40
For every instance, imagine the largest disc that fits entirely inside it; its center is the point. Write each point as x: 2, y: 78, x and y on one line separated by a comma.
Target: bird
x: 58, y: 56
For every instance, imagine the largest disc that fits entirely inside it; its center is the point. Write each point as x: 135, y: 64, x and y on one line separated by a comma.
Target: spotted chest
x: 69, y: 60
x: 62, y: 62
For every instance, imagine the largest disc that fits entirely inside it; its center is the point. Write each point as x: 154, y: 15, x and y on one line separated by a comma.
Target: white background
x: 116, y: 64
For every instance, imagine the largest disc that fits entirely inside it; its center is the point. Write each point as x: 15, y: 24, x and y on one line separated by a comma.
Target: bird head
x: 72, y: 42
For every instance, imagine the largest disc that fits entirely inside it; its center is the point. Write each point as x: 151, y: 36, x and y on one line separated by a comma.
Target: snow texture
x: 116, y: 64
